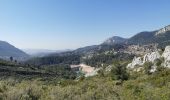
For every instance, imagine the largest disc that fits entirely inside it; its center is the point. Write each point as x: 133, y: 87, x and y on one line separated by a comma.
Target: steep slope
x: 161, y: 37
x: 142, y: 38
x: 7, y: 50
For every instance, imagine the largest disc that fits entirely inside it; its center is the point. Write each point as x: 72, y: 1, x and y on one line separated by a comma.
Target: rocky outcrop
x: 136, y: 61
x: 151, y: 57
x: 166, y: 53
x: 166, y: 56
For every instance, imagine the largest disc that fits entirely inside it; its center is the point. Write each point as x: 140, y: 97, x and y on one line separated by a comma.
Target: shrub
x: 158, y: 62
x: 119, y: 73
x: 147, y: 67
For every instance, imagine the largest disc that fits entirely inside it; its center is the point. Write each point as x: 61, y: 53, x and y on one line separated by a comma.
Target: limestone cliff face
x: 151, y: 57
x: 166, y: 56
x: 136, y: 61
x: 166, y: 53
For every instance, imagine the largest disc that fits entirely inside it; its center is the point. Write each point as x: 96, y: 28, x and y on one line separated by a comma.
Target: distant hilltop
x: 7, y: 50
x: 163, y: 30
x: 160, y: 37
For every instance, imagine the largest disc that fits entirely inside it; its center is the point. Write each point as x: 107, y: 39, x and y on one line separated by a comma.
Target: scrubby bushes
x: 143, y: 87
x: 105, y: 86
x: 119, y: 72
x: 90, y: 89
x: 148, y: 67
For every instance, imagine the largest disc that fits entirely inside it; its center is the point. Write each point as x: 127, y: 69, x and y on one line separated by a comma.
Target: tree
x: 119, y: 73
x: 148, y: 67
x: 101, y: 72
x: 11, y: 59
x: 15, y: 61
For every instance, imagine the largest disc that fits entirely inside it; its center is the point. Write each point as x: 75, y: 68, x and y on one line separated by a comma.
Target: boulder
x: 153, y: 69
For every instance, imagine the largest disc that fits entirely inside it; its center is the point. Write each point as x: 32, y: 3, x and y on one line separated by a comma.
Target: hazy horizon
x: 71, y: 24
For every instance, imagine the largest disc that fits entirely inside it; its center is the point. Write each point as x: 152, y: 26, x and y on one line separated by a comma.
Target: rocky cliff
x: 152, y: 57
x: 166, y: 56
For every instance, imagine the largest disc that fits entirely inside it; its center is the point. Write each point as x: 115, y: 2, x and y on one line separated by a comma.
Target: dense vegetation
x: 107, y: 58
x: 75, y: 57
x: 50, y: 60
x: 26, y: 71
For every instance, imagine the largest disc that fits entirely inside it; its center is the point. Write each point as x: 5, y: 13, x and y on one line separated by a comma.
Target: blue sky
x: 69, y: 24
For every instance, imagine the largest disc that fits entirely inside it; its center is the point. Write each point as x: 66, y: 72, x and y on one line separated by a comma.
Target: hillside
x: 160, y: 37
x: 7, y: 50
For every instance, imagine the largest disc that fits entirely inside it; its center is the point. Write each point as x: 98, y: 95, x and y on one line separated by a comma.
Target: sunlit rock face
x: 166, y: 53
x: 163, y: 30
x: 166, y: 56
x: 151, y: 57
x: 136, y: 61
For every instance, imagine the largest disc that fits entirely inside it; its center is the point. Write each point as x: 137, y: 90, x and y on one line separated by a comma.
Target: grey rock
x: 136, y: 61
x: 166, y: 56
x: 151, y: 57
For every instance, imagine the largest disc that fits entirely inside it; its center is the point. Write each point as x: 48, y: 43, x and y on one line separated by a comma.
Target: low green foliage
x: 119, y: 72
x: 147, y: 66
x: 145, y: 87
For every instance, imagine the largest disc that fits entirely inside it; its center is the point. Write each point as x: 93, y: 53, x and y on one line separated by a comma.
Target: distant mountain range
x: 7, y: 50
x: 115, y: 43
x: 160, y: 37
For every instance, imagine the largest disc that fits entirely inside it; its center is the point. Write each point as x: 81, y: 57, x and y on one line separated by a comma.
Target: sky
x: 70, y: 24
